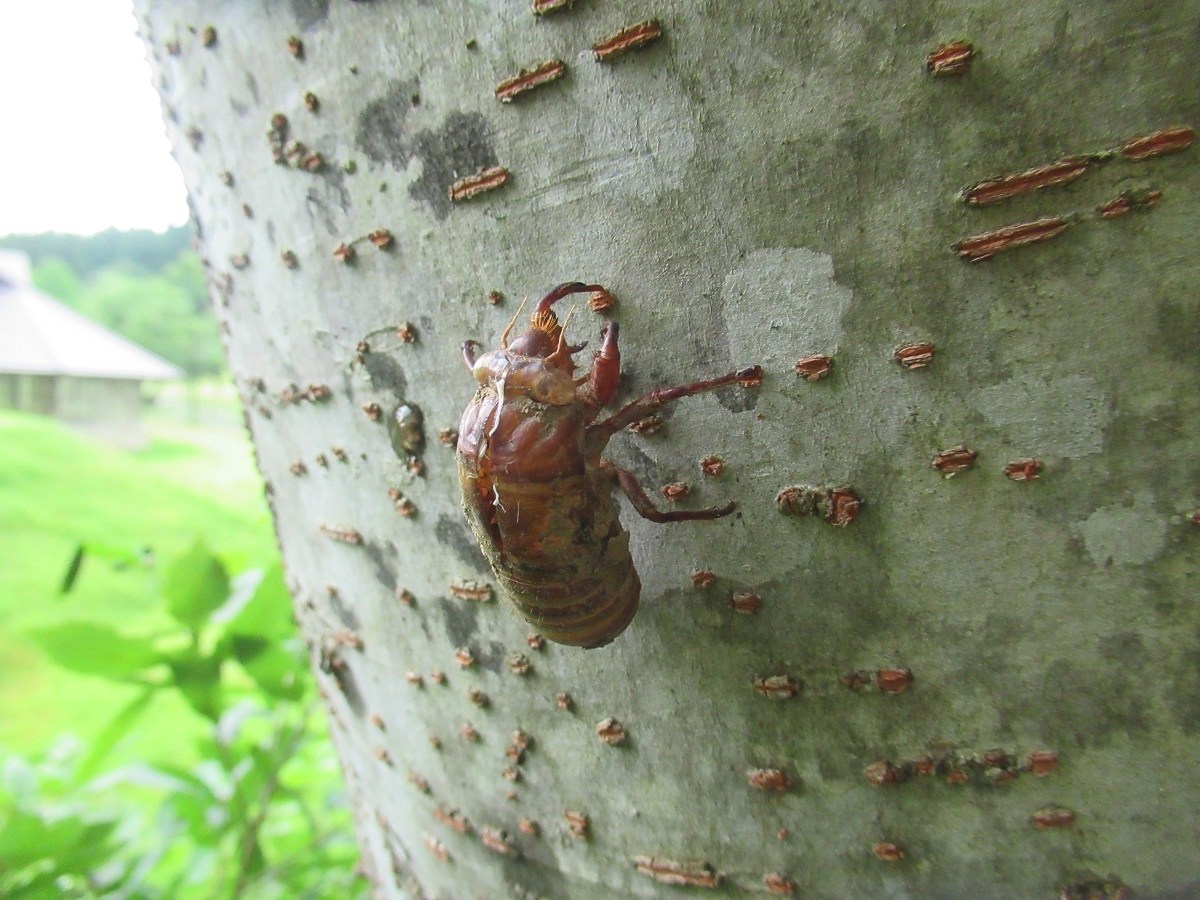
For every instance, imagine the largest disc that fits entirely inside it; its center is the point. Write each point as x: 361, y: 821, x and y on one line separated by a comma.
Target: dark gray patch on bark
x: 349, y: 687
x: 239, y: 108
x: 535, y: 877
x: 330, y: 190
x: 1185, y: 892
x: 319, y: 211
x: 383, y: 571
x: 344, y: 614
x: 252, y: 86
x: 491, y: 659
x: 310, y: 13
x: 1184, y: 697
x: 349, y: 383
x: 737, y: 399
x: 461, y: 619
x: 1178, y: 331
x: 1126, y: 648
x: 335, y: 178
x: 453, y: 532
x: 460, y: 147
x: 643, y: 466
x: 385, y: 374
x: 846, y: 599
x: 1089, y: 708
x: 381, y: 133
x: 710, y: 353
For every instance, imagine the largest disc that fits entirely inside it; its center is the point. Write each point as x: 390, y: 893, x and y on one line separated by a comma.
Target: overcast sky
x: 82, y: 144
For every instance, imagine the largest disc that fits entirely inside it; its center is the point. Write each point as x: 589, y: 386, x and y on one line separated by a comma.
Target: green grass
x: 58, y: 490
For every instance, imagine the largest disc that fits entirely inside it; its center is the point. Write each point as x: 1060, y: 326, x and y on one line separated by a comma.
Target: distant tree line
x: 150, y: 251
x: 145, y: 285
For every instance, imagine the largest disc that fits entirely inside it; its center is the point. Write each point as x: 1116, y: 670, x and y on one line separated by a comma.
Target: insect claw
x: 564, y: 351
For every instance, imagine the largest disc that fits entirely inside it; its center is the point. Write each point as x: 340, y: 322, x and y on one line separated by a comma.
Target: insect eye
x: 490, y: 367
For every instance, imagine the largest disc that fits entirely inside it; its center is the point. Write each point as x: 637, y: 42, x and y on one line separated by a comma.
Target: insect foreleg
x: 648, y: 404
x: 564, y: 290
x: 604, y: 375
x: 645, y: 506
x: 470, y: 352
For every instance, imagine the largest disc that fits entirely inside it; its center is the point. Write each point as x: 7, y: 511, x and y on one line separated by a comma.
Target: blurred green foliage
x: 261, y: 815
x: 58, y: 489
x: 247, y: 799
x: 147, y: 286
x: 56, y: 278
x: 166, y: 313
x: 144, y: 250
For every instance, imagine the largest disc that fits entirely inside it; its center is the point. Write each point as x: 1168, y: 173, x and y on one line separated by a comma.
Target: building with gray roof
x: 57, y: 362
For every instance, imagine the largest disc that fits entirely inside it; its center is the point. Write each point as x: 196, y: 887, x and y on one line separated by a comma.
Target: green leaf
x: 199, y: 680
x: 195, y: 585
x: 170, y: 781
x: 93, y: 649
x: 200, y: 817
x: 43, y: 887
x: 112, y: 733
x: 120, y: 556
x: 26, y: 838
x: 69, y: 844
x: 268, y: 612
x: 254, y: 863
x: 253, y: 772
x: 72, y: 573
x: 274, y: 669
x: 90, y: 851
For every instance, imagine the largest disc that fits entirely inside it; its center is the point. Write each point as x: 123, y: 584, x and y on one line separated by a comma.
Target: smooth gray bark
x: 769, y: 180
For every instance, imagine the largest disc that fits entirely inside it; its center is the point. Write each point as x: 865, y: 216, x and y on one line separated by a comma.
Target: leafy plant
x: 261, y: 815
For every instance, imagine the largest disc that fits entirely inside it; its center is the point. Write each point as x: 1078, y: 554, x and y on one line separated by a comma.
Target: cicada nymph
x: 536, y: 489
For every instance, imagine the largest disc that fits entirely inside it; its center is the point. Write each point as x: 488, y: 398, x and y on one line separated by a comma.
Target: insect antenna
x: 508, y: 330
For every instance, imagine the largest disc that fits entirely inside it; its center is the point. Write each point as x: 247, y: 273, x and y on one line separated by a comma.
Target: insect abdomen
x: 586, y: 612
x: 558, y: 552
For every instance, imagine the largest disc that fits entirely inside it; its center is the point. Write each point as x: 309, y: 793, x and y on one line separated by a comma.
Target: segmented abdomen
x: 582, y: 613
x: 558, y: 551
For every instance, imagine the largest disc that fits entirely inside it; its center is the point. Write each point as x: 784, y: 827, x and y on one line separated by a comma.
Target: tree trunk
x: 766, y: 182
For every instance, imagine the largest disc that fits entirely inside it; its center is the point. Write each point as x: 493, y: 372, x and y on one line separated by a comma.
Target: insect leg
x: 652, y: 402
x: 563, y: 290
x: 645, y: 506
x: 601, y: 384
x: 470, y: 350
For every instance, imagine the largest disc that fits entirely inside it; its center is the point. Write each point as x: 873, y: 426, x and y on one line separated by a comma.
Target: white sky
x: 82, y: 143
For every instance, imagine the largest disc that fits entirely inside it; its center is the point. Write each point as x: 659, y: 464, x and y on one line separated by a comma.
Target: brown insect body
x: 537, y: 492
